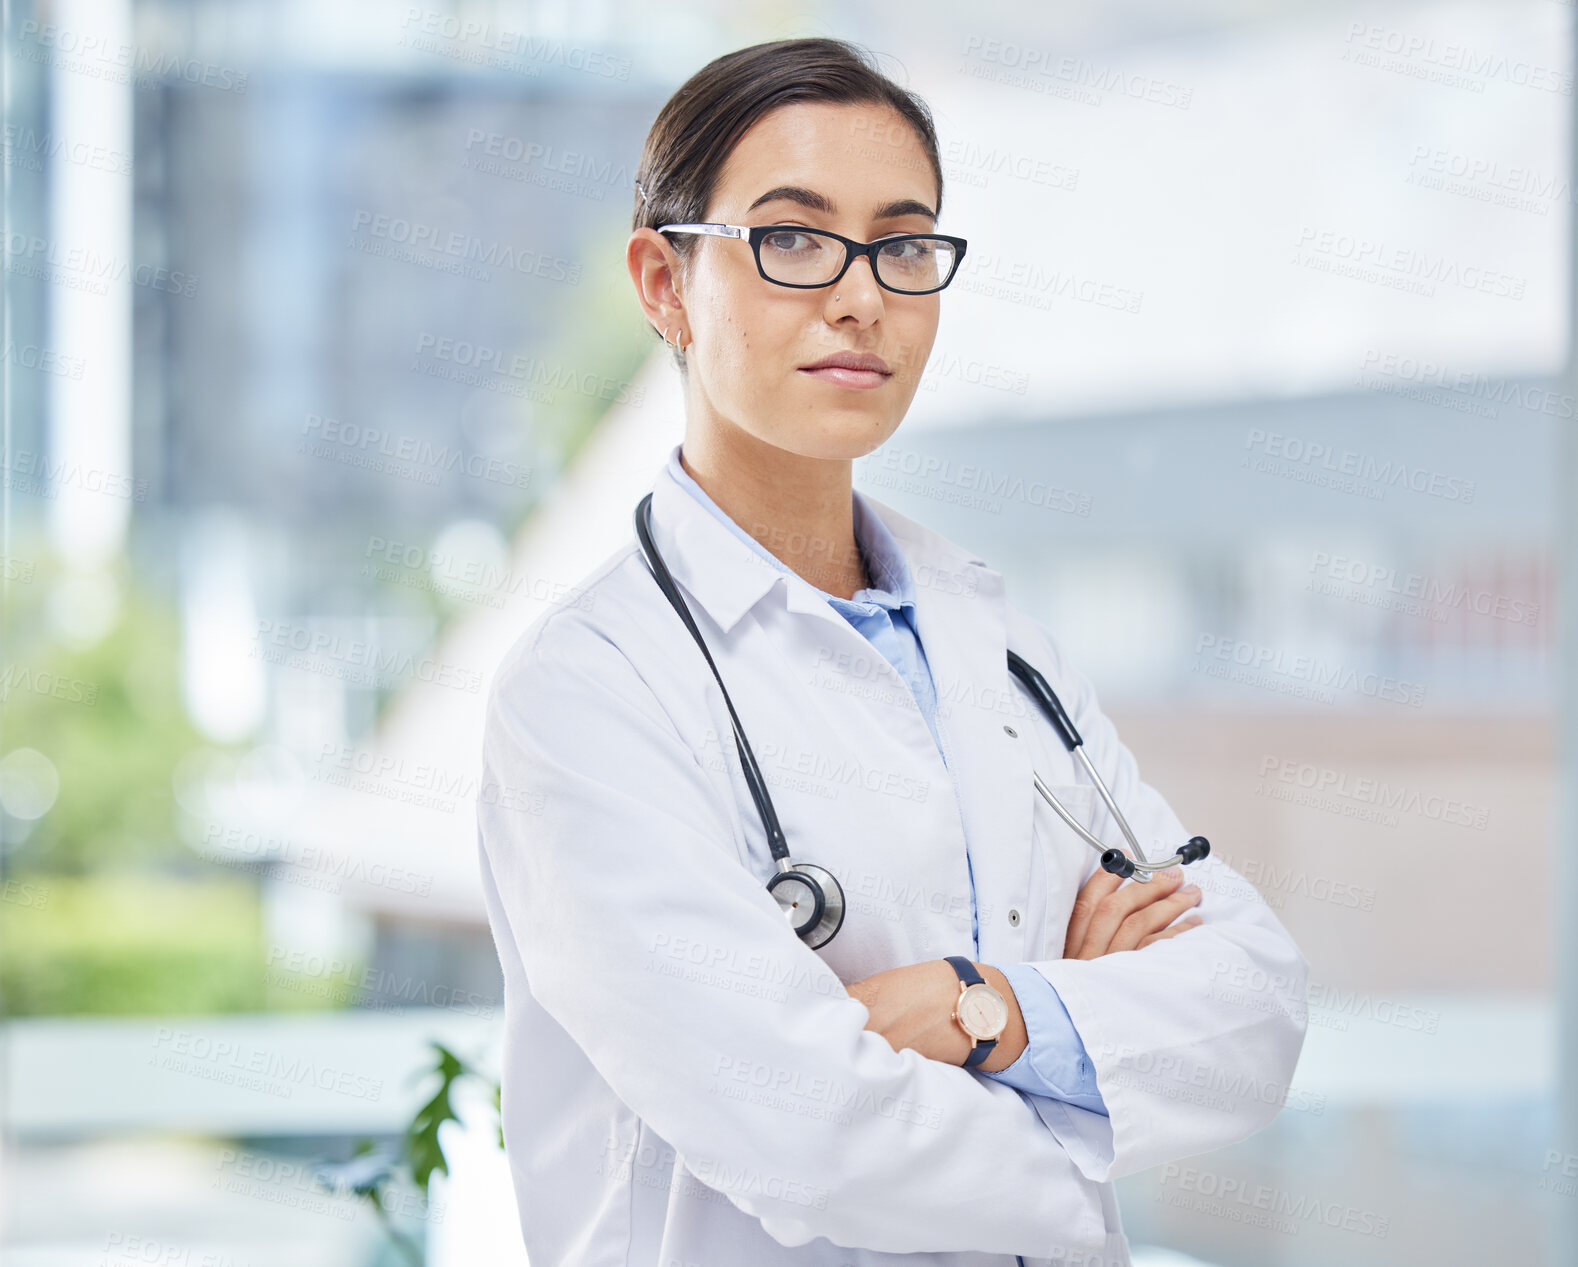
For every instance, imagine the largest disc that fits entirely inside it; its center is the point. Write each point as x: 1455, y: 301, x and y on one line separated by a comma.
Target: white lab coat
x: 684, y: 1080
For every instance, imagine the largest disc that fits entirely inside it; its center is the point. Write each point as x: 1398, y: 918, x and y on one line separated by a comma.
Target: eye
x: 789, y: 242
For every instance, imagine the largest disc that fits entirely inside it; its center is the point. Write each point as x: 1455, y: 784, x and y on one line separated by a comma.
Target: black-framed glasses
x: 793, y: 255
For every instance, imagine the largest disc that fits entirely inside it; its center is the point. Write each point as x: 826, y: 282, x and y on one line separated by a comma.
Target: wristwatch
x: 980, y: 1011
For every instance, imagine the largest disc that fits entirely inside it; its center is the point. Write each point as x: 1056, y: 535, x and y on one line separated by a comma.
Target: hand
x: 913, y: 1007
x: 1111, y: 914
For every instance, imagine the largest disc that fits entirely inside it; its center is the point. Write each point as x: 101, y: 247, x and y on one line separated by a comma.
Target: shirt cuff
x: 1054, y: 1062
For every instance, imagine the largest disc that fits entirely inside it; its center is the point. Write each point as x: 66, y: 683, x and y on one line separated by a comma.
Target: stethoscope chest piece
x: 812, y: 900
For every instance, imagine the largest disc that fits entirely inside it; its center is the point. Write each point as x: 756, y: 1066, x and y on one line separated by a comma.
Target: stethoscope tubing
x: 1138, y: 868
x: 776, y: 841
x: 822, y: 894
x: 1143, y: 869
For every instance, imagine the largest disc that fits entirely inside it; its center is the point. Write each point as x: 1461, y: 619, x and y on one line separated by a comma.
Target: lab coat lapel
x: 961, y: 618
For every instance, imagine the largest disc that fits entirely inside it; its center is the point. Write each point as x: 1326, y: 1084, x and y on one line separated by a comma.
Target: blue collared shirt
x: 1054, y: 1062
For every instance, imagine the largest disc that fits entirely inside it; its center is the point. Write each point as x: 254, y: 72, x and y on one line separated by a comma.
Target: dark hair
x: 698, y: 127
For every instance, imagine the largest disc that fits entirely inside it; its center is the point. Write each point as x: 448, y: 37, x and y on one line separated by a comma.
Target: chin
x: 843, y: 436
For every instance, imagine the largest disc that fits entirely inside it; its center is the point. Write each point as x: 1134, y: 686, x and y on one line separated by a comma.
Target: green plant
x: 371, y: 1170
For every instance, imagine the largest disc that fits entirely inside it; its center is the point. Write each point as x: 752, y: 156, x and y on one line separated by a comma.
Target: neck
x: 800, y: 509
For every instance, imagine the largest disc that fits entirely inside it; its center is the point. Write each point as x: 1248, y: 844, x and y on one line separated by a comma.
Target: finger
x: 1091, y: 894
x: 1119, y: 906
x: 1183, y: 926
x: 1157, y: 915
x: 1153, y: 918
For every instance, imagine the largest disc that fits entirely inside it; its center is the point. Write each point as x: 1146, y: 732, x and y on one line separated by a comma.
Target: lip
x: 862, y: 370
x: 851, y: 361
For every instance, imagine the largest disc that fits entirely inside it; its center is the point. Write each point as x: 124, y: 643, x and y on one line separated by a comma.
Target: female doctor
x: 687, y: 1079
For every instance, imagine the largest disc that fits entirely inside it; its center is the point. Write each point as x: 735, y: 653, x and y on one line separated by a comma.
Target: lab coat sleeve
x: 1194, y: 1038
x: 665, y: 958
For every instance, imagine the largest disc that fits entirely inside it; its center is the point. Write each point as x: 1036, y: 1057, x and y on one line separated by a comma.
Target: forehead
x: 860, y: 156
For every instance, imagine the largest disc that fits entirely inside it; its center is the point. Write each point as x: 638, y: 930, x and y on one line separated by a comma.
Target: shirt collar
x: 728, y: 573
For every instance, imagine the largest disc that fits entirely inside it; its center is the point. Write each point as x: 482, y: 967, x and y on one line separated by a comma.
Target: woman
x: 686, y: 1080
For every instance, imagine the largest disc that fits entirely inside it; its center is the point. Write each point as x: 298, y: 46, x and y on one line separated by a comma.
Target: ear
x: 655, y: 270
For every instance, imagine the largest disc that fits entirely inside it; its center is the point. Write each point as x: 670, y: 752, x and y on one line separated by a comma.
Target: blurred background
x: 323, y: 376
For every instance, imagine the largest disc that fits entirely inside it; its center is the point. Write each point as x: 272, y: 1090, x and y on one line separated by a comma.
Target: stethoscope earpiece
x: 1117, y: 863
x: 1123, y: 866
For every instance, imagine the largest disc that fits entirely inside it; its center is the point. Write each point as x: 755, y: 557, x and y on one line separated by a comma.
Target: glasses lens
x: 916, y: 263
x: 804, y: 257
x: 801, y: 257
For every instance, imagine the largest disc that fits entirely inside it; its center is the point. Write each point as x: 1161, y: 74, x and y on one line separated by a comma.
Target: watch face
x: 982, y: 1011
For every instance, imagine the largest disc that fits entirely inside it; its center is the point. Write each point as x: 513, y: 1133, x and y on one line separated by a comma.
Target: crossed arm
x: 912, y: 1006
x: 1193, y: 1046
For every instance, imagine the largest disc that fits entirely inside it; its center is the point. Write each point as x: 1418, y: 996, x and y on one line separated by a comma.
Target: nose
x: 858, y: 289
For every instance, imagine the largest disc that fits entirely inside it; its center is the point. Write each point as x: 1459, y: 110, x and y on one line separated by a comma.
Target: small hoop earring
x: 676, y: 345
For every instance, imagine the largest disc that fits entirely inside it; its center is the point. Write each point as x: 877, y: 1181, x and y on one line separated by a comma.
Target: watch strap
x: 965, y: 969
x: 968, y: 976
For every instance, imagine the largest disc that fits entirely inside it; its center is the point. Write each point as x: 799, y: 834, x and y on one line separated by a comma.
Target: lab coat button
x: 1010, y: 731
x: 1013, y: 917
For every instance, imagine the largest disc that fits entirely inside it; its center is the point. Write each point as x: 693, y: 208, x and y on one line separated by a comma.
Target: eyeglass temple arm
x: 716, y: 230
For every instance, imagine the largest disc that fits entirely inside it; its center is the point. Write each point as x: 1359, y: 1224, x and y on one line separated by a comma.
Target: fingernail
x: 1190, y: 888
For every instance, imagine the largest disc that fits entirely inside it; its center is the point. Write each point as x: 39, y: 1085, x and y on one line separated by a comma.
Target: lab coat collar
x: 728, y: 578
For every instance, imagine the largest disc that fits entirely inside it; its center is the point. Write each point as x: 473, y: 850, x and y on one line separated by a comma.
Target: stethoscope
x: 810, y: 897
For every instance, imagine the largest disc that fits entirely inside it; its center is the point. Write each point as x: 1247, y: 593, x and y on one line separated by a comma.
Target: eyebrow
x: 821, y: 202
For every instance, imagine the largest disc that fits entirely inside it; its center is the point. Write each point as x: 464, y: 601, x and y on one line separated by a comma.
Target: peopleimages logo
x: 976, y: 485
x: 1280, y: 454
x: 1436, y: 382
x: 1389, y: 799
x: 408, y: 455
x: 1378, y: 583
x: 414, y: 240
x: 1045, y: 70
x: 1451, y: 63
x: 1401, y: 267
x: 1310, y: 670
x: 1259, y: 1204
